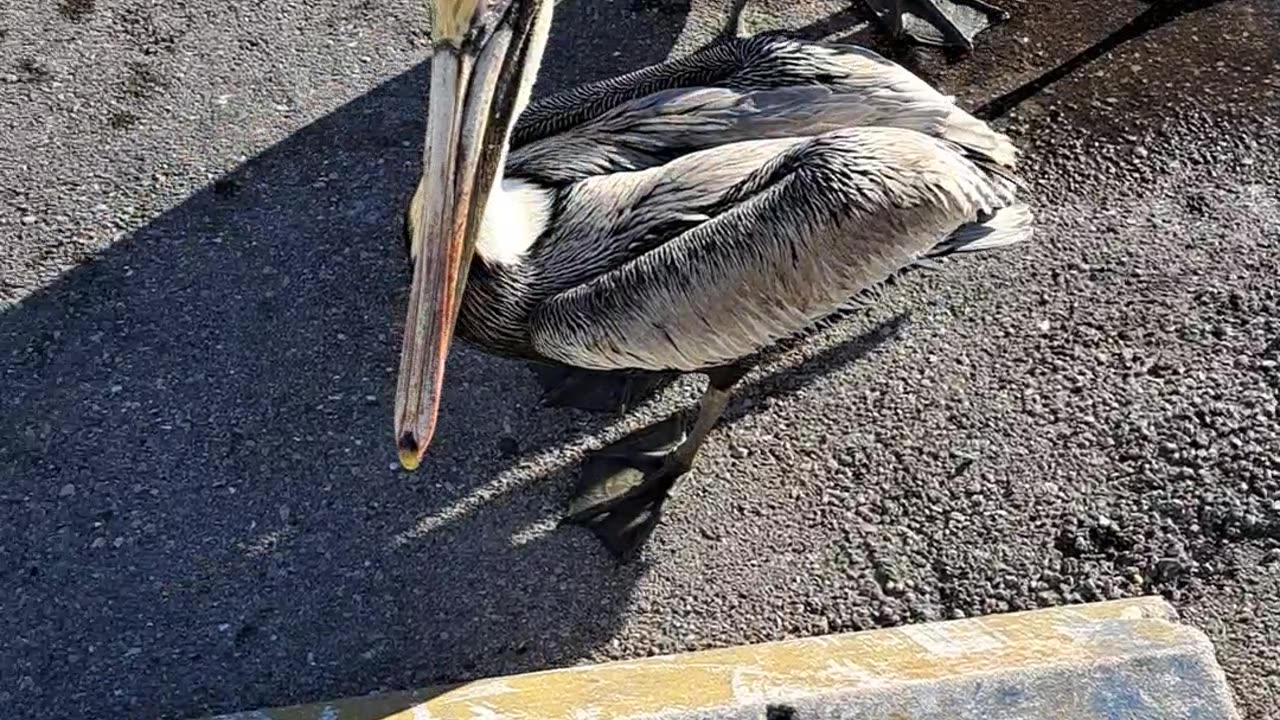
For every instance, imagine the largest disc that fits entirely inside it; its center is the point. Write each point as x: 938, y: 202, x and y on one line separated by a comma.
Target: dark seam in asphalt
x: 1161, y: 13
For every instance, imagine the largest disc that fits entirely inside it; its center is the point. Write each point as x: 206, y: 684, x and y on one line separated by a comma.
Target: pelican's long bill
x: 477, y: 67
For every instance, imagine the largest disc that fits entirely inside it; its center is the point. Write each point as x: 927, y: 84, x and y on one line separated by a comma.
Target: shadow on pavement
x: 195, y: 485
x: 197, y: 477
x: 1159, y: 14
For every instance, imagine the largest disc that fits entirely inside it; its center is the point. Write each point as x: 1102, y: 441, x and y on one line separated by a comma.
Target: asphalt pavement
x: 201, y: 278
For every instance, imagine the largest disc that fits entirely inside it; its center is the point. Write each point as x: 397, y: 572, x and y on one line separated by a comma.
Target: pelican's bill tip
x: 409, y: 459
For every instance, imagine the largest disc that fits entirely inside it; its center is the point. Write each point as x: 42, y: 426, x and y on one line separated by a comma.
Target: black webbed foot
x: 623, y: 487
x: 944, y: 23
x: 623, y: 506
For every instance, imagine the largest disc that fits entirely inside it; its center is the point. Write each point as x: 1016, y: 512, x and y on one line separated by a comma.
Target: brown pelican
x: 683, y: 217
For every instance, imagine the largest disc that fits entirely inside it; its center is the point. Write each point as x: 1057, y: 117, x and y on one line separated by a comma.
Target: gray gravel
x: 199, y: 503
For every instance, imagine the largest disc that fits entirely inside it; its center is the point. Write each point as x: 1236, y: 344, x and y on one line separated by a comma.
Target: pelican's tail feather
x: 1007, y: 226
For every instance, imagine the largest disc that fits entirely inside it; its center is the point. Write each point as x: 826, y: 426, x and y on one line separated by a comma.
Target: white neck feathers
x: 515, y: 217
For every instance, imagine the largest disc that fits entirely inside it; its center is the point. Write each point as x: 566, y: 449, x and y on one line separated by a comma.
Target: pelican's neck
x: 517, y: 211
x: 538, y: 36
x: 528, y: 78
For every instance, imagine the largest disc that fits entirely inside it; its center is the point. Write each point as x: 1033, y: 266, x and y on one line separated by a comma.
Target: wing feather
x: 747, y: 88
x: 788, y: 245
x: 658, y: 128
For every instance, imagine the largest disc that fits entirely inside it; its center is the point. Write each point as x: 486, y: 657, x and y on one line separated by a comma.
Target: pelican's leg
x: 948, y: 23
x: 624, y: 487
x: 601, y: 392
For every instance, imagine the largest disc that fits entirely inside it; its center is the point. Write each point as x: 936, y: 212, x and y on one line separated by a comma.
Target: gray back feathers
x: 745, y: 88
x: 817, y: 224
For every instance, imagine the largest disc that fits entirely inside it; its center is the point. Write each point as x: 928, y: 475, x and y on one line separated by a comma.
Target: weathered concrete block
x: 1127, y: 659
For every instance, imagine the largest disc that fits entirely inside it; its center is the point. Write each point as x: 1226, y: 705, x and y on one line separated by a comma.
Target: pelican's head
x: 484, y: 58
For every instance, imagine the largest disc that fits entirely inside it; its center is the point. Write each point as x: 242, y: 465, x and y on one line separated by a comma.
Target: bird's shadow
x: 775, y: 381
x: 200, y: 508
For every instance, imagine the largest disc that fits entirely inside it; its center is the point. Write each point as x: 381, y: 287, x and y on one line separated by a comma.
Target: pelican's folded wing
x: 784, y: 247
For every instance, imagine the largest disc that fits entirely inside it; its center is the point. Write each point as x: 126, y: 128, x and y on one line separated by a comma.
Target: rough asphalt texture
x: 199, y: 503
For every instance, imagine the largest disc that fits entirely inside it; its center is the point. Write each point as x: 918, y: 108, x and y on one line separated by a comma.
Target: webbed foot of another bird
x: 945, y: 23
x: 623, y: 487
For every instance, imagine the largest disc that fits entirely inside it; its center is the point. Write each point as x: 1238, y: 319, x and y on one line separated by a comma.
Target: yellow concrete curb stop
x: 1127, y: 659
